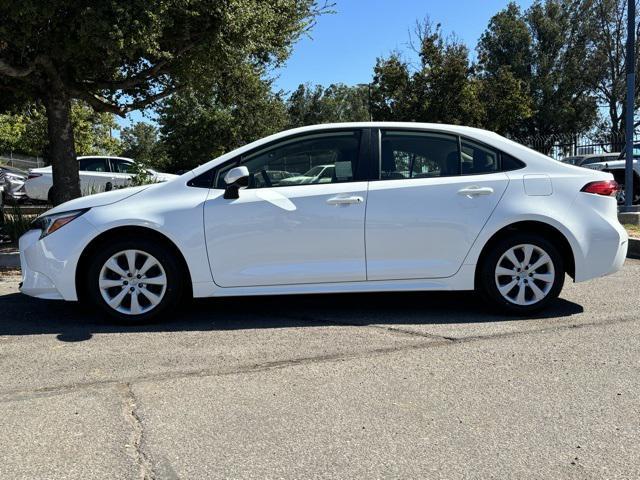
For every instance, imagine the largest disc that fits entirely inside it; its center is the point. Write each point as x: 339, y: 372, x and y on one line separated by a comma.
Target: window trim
x: 460, y: 137
x: 360, y: 175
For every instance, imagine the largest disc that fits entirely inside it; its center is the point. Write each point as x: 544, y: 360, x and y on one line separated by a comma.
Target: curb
x: 634, y: 248
x: 10, y: 260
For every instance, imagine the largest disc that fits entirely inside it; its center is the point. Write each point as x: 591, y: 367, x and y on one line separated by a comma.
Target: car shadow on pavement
x: 22, y: 315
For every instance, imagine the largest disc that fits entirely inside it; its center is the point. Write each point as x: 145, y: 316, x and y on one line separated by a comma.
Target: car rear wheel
x: 134, y: 281
x: 521, y: 274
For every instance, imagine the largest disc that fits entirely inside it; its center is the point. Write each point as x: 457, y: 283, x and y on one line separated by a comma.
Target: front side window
x: 477, y: 159
x: 418, y: 155
x: 330, y: 157
x: 94, y: 165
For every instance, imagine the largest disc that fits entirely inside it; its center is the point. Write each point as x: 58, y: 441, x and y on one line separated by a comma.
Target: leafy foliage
x: 25, y: 130
x: 141, y: 142
x: 196, y: 127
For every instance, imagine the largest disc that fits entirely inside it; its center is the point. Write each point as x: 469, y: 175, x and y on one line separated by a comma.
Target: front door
x: 300, y: 220
x: 433, y: 196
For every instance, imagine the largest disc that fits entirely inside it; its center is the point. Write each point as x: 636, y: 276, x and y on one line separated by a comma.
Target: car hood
x: 97, y: 200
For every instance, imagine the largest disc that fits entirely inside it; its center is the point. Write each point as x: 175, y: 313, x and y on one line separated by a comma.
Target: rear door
x: 95, y: 175
x: 122, y: 171
x: 433, y: 195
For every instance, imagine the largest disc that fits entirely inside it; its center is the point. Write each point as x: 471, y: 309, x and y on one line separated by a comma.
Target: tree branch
x: 140, y: 77
x: 104, y: 105
x: 15, y: 72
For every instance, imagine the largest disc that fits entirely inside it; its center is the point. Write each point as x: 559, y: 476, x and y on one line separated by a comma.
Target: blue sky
x: 343, y: 46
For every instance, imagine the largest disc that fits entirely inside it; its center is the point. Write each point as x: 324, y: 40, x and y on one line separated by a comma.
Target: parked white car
x: 97, y: 174
x: 474, y: 210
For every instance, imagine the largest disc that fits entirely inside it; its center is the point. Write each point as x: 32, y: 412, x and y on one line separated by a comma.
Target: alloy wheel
x: 524, y: 274
x: 132, y: 282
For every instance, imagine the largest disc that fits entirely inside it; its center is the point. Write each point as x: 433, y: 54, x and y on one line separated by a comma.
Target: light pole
x: 631, y: 64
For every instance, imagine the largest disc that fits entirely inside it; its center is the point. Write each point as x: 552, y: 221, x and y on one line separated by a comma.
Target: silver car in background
x: 12, y: 183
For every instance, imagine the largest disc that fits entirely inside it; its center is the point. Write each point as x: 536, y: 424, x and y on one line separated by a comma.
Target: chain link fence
x: 23, y: 162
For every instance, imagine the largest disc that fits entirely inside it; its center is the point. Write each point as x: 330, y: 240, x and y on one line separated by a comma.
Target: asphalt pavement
x: 401, y: 385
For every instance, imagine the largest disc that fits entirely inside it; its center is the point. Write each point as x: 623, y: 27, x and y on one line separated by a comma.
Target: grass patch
x: 633, y: 230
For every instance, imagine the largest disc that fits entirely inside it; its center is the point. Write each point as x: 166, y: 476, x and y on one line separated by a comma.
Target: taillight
x: 608, y: 188
x: 34, y: 175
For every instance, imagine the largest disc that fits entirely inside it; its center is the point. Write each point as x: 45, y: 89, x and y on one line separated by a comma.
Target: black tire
x: 486, y: 278
x: 636, y: 194
x: 172, y: 269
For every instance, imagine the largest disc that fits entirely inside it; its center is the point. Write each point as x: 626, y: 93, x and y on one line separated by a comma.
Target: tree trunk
x: 62, y: 150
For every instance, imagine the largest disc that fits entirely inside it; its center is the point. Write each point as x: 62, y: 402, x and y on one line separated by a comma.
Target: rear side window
x: 477, y: 159
x: 510, y: 163
x: 94, y: 165
x: 418, y: 155
x: 121, y: 166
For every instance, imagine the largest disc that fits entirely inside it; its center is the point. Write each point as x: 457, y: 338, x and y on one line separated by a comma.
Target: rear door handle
x: 475, y: 191
x: 345, y: 200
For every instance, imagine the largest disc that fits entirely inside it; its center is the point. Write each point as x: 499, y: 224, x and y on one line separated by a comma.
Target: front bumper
x: 49, y: 264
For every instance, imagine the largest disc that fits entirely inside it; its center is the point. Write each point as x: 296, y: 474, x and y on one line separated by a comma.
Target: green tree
x: 311, y: 105
x: 392, y: 96
x: 25, y: 130
x: 141, y: 142
x: 535, y: 60
x: 441, y: 89
x: 123, y: 55
x: 607, y: 67
x: 504, y: 61
x: 197, y: 127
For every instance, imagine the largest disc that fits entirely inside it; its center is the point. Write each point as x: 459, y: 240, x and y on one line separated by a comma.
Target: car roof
x: 607, y: 154
x: 105, y: 156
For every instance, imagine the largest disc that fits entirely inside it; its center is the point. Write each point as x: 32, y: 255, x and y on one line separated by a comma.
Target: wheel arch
x: 128, y: 232
x: 537, y: 227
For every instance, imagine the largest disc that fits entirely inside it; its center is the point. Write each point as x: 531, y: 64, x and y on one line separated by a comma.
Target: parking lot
x: 375, y: 385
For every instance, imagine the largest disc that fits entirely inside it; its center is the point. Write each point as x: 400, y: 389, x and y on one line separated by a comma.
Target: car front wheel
x: 134, y: 281
x: 522, y: 274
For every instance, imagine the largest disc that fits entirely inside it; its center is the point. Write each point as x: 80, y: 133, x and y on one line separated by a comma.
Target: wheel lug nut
x: 125, y: 283
x: 138, y: 276
x: 131, y: 289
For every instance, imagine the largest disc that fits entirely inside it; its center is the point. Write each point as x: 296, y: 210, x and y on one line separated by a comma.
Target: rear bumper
x: 606, y: 250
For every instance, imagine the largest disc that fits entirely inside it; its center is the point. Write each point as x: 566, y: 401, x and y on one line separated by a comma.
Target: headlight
x: 50, y: 223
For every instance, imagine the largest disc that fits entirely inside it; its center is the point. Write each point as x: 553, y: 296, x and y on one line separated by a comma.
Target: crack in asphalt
x: 435, y: 342
x: 134, y: 447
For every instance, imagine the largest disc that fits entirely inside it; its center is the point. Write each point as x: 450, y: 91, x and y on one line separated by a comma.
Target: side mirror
x: 235, y: 178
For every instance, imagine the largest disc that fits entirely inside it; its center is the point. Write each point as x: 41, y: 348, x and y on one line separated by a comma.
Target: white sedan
x: 410, y: 207
x: 97, y: 174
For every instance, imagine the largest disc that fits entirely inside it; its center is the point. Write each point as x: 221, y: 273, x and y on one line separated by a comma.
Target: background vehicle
x: 317, y: 174
x: 615, y: 164
x: 573, y: 160
x: 12, y: 179
x: 472, y: 210
x: 97, y: 174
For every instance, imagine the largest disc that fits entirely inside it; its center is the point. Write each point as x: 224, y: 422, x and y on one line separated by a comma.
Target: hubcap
x: 524, y: 274
x: 132, y: 282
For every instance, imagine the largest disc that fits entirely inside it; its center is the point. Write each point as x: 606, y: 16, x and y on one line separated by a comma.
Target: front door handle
x: 345, y: 200
x: 475, y: 191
